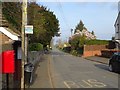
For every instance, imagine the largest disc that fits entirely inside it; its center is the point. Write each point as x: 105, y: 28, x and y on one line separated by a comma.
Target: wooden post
x: 24, y: 21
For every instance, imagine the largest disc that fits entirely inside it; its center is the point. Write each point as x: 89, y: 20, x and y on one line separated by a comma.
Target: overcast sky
x: 97, y: 16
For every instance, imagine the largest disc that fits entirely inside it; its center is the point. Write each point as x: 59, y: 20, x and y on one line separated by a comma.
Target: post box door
x: 8, y: 61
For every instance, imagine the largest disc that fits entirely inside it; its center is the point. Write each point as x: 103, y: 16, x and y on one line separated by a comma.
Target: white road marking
x: 96, y: 83
x: 66, y: 85
x: 69, y: 84
x: 90, y: 83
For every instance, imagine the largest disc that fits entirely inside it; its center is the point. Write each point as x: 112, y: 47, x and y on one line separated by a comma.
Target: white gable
x: 7, y: 33
x: 119, y: 6
x: 117, y: 28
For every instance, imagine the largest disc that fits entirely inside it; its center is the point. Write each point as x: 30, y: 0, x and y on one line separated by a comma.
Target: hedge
x: 96, y: 42
x: 35, y: 47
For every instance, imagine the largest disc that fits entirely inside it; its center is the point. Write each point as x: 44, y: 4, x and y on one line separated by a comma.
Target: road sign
x: 29, y: 29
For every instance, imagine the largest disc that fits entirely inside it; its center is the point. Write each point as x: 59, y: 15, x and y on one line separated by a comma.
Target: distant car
x: 114, y: 62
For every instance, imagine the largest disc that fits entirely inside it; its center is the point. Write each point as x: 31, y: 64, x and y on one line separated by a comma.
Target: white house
x: 85, y: 32
x: 117, y: 30
x: 119, y: 6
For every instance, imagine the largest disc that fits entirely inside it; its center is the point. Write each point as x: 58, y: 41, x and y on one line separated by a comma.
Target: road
x: 69, y: 71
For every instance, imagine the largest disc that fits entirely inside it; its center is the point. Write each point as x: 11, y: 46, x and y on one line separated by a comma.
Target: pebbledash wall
x: 93, y: 50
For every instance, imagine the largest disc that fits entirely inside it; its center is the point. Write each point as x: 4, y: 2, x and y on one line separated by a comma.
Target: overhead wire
x: 62, y: 13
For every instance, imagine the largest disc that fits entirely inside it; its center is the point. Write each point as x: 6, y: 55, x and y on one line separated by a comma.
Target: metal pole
x: 7, y: 81
x: 24, y: 10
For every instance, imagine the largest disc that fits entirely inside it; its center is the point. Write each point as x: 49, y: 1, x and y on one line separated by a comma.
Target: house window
x: 118, y: 28
x: 19, y: 53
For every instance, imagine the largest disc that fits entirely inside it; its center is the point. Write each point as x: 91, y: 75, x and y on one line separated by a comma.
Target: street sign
x: 29, y: 29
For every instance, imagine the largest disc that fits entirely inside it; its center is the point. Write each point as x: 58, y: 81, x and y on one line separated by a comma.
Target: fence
x: 35, y: 56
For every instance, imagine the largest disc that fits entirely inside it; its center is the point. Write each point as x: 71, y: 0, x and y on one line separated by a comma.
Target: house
x: 85, y: 32
x: 10, y: 40
x: 117, y: 31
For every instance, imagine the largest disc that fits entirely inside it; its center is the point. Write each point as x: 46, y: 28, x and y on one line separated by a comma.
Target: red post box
x: 0, y: 63
x: 8, y: 62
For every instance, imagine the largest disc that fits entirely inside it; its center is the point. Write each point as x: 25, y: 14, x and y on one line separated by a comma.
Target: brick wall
x: 93, y: 50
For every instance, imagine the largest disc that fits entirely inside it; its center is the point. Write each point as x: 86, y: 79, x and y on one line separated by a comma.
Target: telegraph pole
x: 24, y: 22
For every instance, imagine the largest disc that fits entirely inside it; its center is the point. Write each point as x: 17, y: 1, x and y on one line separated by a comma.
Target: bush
x: 67, y: 49
x: 97, y: 42
x: 35, y: 47
x: 74, y: 52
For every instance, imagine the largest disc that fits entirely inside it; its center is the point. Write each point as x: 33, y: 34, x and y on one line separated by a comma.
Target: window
x: 118, y: 28
x: 118, y: 58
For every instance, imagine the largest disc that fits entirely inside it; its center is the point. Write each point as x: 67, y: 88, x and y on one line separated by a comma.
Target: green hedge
x: 96, y: 42
x: 35, y: 47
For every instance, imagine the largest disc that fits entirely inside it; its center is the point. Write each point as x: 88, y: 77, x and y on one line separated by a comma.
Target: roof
x: 8, y: 32
x: 3, y: 21
x: 117, y: 18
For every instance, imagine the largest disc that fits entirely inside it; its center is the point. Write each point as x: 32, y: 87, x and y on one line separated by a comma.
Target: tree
x: 45, y: 23
x: 77, y: 41
x: 74, y: 42
x: 80, y: 26
x: 93, y: 33
x: 13, y: 14
x: 82, y: 40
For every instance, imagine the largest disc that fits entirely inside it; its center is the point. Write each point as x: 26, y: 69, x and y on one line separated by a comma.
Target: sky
x: 96, y: 16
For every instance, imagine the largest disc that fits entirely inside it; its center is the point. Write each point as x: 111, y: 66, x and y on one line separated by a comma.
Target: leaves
x: 93, y: 33
x: 45, y: 23
x: 78, y: 41
x: 80, y: 26
x: 13, y: 13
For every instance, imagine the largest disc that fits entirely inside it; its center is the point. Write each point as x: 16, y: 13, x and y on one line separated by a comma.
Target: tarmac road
x: 68, y: 71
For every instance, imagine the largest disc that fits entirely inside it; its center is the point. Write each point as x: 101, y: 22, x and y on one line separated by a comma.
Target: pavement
x: 102, y: 60
x: 41, y: 75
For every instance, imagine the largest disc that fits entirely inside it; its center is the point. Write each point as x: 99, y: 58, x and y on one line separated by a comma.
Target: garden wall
x: 93, y: 50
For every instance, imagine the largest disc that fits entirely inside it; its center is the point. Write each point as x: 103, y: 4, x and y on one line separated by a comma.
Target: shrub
x: 74, y: 52
x: 35, y: 47
x: 67, y: 49
x: 97, y: 42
